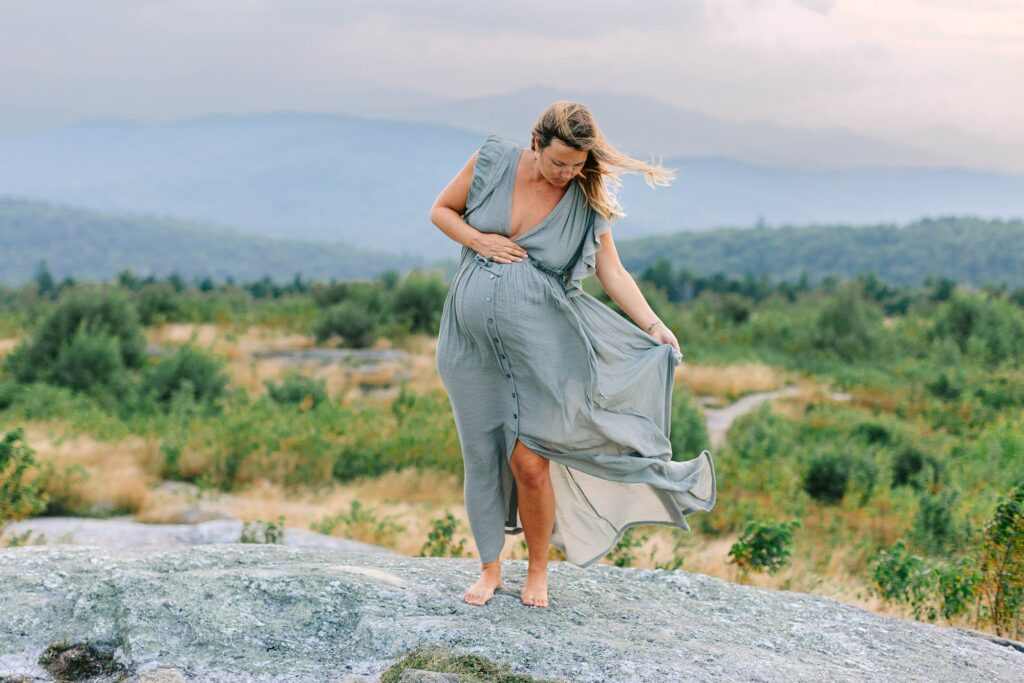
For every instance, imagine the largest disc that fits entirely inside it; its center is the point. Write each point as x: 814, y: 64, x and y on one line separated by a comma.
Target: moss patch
x: 469, y: 667
x: 77, y: 661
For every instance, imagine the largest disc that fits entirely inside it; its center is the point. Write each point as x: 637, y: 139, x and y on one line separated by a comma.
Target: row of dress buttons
x: 490, y: 321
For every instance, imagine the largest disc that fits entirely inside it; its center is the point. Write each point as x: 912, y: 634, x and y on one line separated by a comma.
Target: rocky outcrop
x: 243, y: 612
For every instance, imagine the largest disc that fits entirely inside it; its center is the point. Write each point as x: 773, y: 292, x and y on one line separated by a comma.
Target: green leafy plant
x: 624, y: 552
x: 1002, y: 565
x: 763, y: 546
x: 19, y: 498
x: 440, y: 539
x: 901, y: 576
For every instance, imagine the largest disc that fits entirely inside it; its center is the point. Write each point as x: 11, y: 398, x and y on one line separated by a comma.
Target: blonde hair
x: 573, y: 124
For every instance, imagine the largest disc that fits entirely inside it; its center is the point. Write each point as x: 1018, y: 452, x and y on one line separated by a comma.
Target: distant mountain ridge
x: 88, y: 245
x: 370, y: 183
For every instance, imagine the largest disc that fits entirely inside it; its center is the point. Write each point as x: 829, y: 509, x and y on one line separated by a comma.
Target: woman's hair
x: 572, y: 123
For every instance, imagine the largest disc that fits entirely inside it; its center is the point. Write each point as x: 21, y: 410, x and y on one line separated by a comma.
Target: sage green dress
x: 524, y: 353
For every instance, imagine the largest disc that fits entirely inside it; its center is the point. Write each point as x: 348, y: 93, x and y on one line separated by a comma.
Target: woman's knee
x: 530, y: 469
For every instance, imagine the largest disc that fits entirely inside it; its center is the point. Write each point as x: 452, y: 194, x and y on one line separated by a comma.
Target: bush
x: 97, y: 329
x: 935, y: 530
x: 988, y: 328
x: 350, y: 320
x: 688, y: 432
x: 761, y: 434
x: 418, y: 301
x: 440, y: 539
x: 848, y: 327
x: 89, y: 362
x: 297, y: 389
x: 197, y: 374
x: 763, y: 546
x: 901, y: 576
x: 624, y: 552
x: 827, y: 478
x: 19, y: 499
x: 1002, y: 565
x: 910, y: 468
x: 158, y: 303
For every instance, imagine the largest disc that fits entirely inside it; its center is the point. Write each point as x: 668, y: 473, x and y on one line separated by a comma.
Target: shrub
x: 958, y: 586
x: 158, y: 303
x: 872, y: 433
x: 90, y: 361
x: 761, y: 434
x: 1002, y: 565
x: 19, y: 498
x: 847, y: 326
x: 827, y: 478
x: 624, y: 552
x: 197, y: 374
x: 988, y: 328
x: 935, y: 530
x: 763, y: 546
x: 356, y: 460
x: 418, y: 301
x: 440, y: 539
x: 901, y: 576
x: 92, y: 312
x: 297, y: 389
x: 910, y: 468
x: 350, y: 320
x: 688, y: 430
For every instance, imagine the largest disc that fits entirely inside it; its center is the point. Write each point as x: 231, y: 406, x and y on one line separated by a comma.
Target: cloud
x: 883, y: 68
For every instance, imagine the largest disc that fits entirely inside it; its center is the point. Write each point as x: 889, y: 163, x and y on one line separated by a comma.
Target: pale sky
x: 885, y: 67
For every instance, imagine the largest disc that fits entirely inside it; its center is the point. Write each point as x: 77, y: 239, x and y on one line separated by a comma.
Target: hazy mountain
x: 370, y: 183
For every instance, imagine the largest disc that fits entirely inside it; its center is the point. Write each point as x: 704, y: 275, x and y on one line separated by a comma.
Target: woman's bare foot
x: 483, y: 590
x: 535, y: 592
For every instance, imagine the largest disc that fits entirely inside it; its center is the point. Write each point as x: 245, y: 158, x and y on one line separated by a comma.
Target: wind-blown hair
x: 573, y: 124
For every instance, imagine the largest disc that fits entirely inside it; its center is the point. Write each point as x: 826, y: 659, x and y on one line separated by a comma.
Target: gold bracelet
x: 651, y: 326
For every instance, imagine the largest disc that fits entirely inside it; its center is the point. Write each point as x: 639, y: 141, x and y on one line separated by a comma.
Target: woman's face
x: 558, y: 162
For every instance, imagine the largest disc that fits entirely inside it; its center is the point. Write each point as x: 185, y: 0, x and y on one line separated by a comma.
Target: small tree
x: 1002, y: 565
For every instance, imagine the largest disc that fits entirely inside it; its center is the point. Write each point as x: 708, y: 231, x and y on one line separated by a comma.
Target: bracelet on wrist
x: 651, y: 326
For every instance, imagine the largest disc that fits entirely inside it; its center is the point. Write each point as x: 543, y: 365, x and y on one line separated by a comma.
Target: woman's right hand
x: 499, y: 248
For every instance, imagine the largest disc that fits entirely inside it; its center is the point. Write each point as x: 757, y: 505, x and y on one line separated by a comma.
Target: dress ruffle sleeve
x: 586, y: 263
x: 485, y: 174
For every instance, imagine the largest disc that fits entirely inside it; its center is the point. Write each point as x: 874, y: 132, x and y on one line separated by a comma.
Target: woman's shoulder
x: 492, y: 155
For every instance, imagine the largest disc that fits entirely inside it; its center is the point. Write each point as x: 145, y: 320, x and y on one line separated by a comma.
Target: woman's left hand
x: 665, y: 336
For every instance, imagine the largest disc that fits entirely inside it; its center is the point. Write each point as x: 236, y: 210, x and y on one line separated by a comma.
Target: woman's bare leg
x: 489, y: 581
x: 537, y: 511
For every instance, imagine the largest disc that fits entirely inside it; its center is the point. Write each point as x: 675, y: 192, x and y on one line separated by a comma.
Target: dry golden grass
x: 119, y: 473
x: 729, y: 382
x: 7, y: 345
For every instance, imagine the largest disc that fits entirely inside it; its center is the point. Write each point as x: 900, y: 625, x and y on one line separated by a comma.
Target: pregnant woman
x: 562, y: 406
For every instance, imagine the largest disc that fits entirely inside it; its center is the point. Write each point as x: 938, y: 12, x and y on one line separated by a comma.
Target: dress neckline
x: 512, y: 191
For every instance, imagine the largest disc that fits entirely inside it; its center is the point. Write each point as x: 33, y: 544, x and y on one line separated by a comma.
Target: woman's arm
x: 622, y: 288
x: 446, y: 214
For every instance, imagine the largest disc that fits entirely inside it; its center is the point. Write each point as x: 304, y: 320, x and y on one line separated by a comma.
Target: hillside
x: 89, y: 245
x: 963, y: 249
